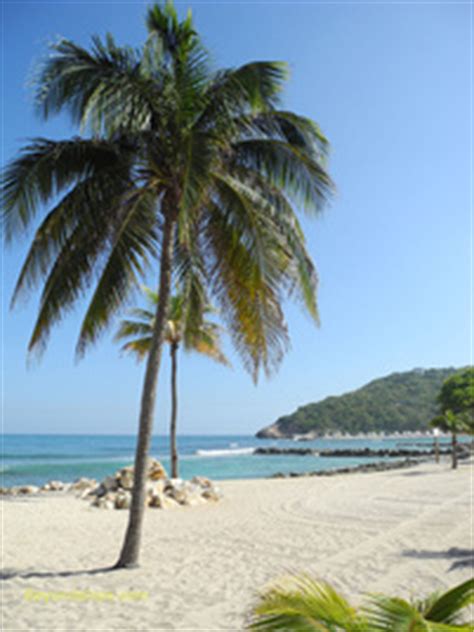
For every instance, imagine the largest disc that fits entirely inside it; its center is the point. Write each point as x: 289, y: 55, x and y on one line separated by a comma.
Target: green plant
x: 303, y: 604
x: 456, y: 403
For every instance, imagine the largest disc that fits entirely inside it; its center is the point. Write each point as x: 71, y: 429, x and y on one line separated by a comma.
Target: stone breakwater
x: 463, y: 452
x: 365, y: 468
x: 115, y: 492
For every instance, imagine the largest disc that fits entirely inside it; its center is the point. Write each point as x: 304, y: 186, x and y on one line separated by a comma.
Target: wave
x: 225, y: 452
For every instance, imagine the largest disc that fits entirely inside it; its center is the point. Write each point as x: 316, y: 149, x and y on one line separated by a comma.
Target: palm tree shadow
x: 463, y: 558
x: 7, y: 574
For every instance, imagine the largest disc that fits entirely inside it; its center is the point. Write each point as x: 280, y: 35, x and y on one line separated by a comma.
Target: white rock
x: 212, y: 493
x: 125, y: 477
x: 26, y: 489
x: 53, y: 486
x: 123, y: 500
x: 103, y: 502
x: 202, y: 481
x: 161, y: 501
x: 84, y: 484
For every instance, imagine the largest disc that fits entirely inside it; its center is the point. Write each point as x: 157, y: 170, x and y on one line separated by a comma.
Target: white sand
x: 201, y: 566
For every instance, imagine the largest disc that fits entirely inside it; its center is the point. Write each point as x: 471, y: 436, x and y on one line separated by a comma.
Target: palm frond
x: 249, y: 300
x: 104, y: 88
x: 287, y: 167
x: 250, y: 88
x: 45, y: 168
x: 139, y: 347
x: 134, y: 242
x: 386, y: 614
x: 302, y: 604
x: 447, y: 607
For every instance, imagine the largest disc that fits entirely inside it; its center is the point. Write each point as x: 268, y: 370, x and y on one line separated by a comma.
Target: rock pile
x: 115, y: 492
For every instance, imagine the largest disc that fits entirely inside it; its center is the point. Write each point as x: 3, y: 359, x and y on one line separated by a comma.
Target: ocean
x: 36, y: 459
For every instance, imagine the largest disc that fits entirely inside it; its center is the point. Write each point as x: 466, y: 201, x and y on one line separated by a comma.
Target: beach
x: 405, y: 532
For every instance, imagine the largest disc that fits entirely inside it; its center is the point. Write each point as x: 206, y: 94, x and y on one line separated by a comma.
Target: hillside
x: 396, y: 403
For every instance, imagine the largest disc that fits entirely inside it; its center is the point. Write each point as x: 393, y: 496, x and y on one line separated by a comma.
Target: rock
x: 178, y: 493
x: 155, y: 470
x: 53, y: 486
x: 271, y: 432
x: 155, y: 487
x: 82, y: 484
x: 103, y: 502
x: 201, y: 481
x: 123, y: 500
x: 161, y: 501
x: 25, y: 489
x: 125, y: 478
x: 110, y: 484
x: 212, y: 493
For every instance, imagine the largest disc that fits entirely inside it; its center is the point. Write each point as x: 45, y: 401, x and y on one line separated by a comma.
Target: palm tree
x: 197, y: 170
x: 200, y: 335
x: 304, y: 604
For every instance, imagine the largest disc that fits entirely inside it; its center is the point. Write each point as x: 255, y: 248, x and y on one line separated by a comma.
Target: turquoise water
x: 35, y: 459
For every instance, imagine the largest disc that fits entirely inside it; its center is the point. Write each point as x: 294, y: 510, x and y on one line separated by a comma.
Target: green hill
x: 397, y: 403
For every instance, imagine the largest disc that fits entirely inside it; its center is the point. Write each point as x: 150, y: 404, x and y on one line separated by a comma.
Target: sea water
x: 36, y: 459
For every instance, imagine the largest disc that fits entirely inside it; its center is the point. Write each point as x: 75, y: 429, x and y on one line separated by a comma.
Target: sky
x: 390, y: 84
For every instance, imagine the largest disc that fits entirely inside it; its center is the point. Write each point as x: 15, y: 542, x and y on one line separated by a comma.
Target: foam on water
x: 228, y: 452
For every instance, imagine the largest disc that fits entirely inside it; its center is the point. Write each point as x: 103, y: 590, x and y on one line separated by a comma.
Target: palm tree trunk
x: 454, y: 445
x: 174, y: 411
x: 131, y: 546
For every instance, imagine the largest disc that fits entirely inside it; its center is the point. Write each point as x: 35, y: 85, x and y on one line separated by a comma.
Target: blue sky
x: 390, y: 85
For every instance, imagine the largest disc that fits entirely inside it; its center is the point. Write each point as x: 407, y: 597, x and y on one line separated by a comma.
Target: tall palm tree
x: 194, y: 334
x: 197, y: 169
x: 304, y: 604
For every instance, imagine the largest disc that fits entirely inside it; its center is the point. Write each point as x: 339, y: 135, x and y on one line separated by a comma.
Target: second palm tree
x: 194, y: 334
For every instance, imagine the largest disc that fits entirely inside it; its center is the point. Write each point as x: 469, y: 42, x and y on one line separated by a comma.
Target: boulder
x: 26, y: 489
x: 157, y: 487
x: 161, y: 501
x: 53, y: 486
x: 102, y: 502
x: 155, y: 470
x: 123, y: 500
x: 125, y: 477
x: 213, y: 493
x: 82, y: 484
x: 202, y: 481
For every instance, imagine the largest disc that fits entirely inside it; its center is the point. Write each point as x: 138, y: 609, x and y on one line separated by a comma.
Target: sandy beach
x: 404, y: 532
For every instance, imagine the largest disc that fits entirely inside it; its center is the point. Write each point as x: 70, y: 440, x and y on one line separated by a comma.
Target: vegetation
x: 182, y: 328
x: 182, y: 170
x: 396, y: 403
x: 456, y: 403
x: 304, y: 604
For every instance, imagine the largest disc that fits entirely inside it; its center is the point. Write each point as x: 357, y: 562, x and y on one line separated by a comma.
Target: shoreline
x: 77, y: 486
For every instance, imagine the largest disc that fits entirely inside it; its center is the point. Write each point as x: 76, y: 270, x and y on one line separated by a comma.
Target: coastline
x: 402, y: 532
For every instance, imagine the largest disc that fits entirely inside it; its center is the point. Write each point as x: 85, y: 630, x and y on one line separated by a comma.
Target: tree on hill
x: 192, y: 332
x: 456, y: 402
x: 190, y: 171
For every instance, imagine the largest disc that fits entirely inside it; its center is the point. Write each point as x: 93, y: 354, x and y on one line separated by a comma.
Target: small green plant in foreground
x: 303, y: 604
